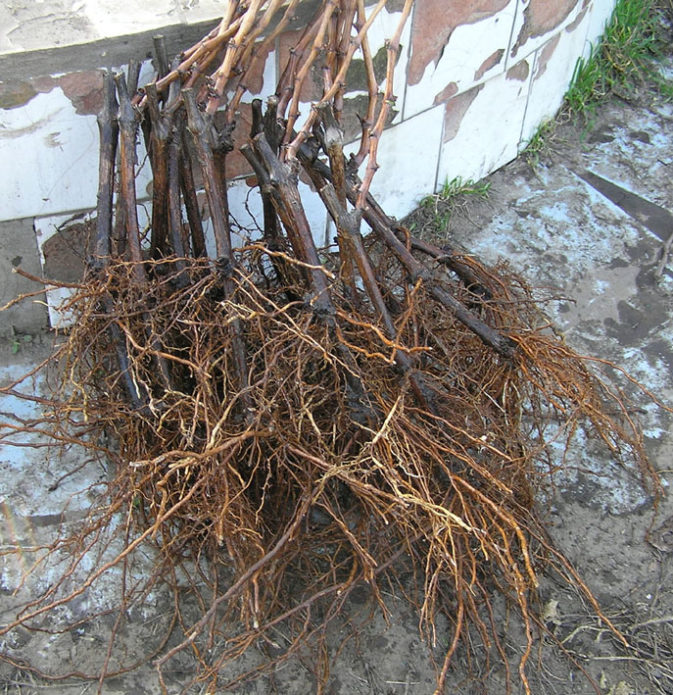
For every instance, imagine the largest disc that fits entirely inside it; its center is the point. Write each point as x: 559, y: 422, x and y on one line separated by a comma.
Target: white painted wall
x: 49, y: 153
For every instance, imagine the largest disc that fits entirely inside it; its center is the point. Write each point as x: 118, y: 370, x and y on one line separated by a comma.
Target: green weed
x: 626, y: 58
x: 455, y: 189
x: 538, y: 145
x: 451, y: 190
x: 18, y: 341
x: 452, y: 194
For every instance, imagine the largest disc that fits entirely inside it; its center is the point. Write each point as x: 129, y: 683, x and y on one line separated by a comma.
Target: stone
x: 18, y: 249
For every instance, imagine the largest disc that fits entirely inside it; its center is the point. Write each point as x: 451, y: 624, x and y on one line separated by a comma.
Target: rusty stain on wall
x: 446, y: 93
x: 83, y: 89
x: 14, y: 93
x: 578, y: 20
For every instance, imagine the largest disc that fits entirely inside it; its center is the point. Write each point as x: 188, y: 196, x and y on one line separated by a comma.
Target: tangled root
x: 277, y: 500
x: 280, y: 425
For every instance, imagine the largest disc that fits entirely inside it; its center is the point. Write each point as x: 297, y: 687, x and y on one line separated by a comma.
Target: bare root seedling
x: 281, y: 426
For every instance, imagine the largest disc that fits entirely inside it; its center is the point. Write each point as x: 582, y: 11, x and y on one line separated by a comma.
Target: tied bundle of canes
x: 306, y: 421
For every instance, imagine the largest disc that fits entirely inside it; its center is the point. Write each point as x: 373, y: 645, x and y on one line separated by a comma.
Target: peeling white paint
x: 545, y: 98
x: 468, y: 47
x: 487, y: 137
x: 533, y: 43
x: 42, y: 180
x: 409, y: 178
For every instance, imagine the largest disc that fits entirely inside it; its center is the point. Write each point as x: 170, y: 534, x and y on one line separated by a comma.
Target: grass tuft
x: 626, y: 58
x: 454, y: 193
x: 635, y: 42
x: 451, y: 190
x: 538, y: 145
